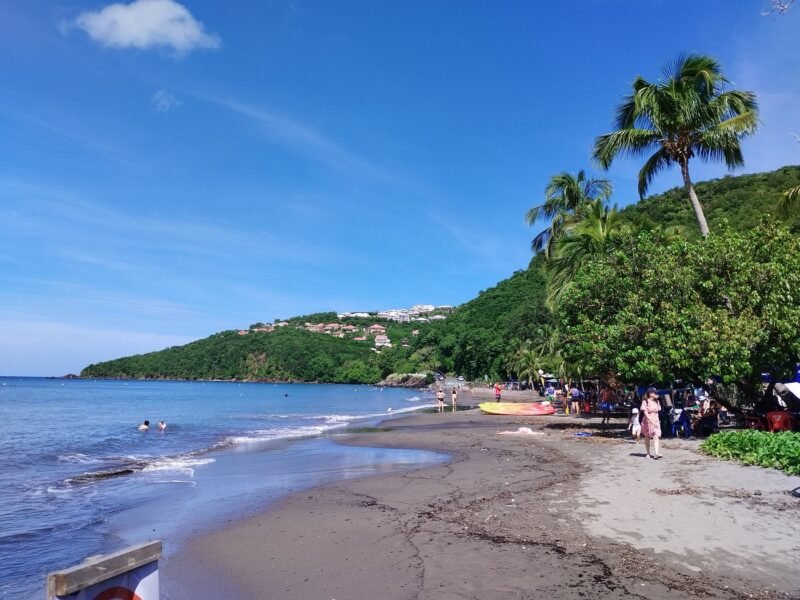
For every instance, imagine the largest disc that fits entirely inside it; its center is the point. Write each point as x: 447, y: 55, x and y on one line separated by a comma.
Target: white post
x: 128, y: 574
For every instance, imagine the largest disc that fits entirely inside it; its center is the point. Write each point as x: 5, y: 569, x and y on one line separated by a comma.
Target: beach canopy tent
x: 790, y: 394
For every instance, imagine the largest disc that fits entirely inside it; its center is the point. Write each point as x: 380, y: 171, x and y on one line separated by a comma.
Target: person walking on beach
x: 651, y: 424
x: 440, y: 399
x: 454, y: 397
x: 575, y: 400
x: 633, y: 424
x: 606, y: 399
x: 497, y: 392
x: 550, y: 393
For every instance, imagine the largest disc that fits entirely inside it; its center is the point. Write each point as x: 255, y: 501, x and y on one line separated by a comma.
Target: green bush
x: 776, y: 450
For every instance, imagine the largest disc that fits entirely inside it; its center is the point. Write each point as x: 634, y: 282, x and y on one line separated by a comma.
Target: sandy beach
x: 549, y: 515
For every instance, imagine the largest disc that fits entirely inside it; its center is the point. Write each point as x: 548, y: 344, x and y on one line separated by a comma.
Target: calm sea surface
x: 77, y: 478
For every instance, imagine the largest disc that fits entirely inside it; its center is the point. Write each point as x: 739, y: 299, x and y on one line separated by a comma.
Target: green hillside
x: 285, y: 354
x: 742, y: 201
x: 473, y: 341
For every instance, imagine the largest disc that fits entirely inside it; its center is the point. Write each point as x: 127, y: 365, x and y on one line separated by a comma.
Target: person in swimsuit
x: 440, y: 399
x: 454, y: 397
x: 144, y: 426
x: 162, y: 425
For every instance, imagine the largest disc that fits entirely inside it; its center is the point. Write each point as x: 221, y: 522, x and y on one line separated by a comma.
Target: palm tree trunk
x: 695, y: 201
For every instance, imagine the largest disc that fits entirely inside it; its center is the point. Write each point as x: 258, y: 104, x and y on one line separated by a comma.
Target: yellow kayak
x: 517, y: 408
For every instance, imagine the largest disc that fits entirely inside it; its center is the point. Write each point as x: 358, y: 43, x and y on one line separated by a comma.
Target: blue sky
x: 168, y: 170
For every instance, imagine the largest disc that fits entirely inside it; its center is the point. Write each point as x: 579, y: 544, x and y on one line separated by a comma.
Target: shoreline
x: 510, y: 516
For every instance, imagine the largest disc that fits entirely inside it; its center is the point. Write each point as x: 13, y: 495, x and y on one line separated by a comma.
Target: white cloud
x: 146, y: 24
x: 163, y: 101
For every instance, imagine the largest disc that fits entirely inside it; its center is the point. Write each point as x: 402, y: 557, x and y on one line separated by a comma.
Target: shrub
x: 776, y: 450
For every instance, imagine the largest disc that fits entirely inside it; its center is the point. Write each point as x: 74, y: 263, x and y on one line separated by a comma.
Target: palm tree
x: 791, y: 197
x: 600, y: 232
x: 687, y: 113
x: 528, y: 365
x: 564, y: 197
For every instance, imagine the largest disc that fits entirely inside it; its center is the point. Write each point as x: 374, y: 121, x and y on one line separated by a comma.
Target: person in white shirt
x: 633, y: 424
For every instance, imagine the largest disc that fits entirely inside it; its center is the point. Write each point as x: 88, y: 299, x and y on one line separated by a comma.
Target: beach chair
x: 779, y: 420
x: 754, y: 422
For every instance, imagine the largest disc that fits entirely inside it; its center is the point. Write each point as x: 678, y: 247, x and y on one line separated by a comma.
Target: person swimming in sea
x: 144, y: 426
x: 162, y: 425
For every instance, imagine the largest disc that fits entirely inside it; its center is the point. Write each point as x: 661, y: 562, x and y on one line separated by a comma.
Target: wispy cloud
x: 146, y: 24
x: 63, y: 220
x: 488, y: 248
x: 303, y: 138
x: 163, y: 101
x: 78, y: 138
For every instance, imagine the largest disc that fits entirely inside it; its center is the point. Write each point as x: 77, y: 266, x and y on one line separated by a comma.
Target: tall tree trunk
x: 695, y: 201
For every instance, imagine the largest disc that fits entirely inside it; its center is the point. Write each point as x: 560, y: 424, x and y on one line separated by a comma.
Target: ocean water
x: 78, y: 479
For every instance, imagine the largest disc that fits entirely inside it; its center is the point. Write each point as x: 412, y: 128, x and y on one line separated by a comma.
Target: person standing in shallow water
x: 651, y: 424
x: 440, y: 399
x: 454, y: 396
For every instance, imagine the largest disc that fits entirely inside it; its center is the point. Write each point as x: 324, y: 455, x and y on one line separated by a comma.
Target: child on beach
x: 633, y: 424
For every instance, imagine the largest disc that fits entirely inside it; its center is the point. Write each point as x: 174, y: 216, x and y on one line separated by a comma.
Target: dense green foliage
x: 727, y: 306
x: 776, y: 450
x: 741, y: 201
x: 286, y: 354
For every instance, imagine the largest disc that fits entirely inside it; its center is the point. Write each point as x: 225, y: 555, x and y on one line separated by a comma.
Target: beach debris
x: 583, y: 434
x: 521, y: 431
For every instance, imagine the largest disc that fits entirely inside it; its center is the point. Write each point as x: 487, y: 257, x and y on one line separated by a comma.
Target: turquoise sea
x: 78, y: 479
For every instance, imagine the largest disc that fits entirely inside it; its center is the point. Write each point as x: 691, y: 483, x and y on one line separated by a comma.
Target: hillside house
x: 376, y: 329
x: 382, y: 341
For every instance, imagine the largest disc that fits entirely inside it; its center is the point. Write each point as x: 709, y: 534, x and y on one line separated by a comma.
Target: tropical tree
x: 688, y: 113
x: 791, y: 197
x: 564, y: 198
x: 723, y: 307
x: 595, y: 236
x: 528, y: 365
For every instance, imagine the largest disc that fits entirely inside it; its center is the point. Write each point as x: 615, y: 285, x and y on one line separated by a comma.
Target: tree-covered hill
x: 285, y: 354
x: 741, y: 200
x: 470, y: 341
x: 473, y: 341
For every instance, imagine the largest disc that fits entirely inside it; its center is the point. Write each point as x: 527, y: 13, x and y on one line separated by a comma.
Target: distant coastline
x: 411, y: 381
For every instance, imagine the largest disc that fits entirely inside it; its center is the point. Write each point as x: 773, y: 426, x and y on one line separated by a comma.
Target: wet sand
x: 512, y: 516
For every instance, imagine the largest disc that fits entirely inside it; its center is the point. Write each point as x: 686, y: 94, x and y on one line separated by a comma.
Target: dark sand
x: 512, y: 516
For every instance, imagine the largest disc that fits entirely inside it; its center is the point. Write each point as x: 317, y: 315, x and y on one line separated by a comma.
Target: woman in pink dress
x: 651, y: 424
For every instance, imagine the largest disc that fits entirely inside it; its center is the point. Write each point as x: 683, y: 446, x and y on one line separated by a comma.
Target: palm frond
x: 659, y: 161
x: 630, y: 142
x: 789, y: 201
